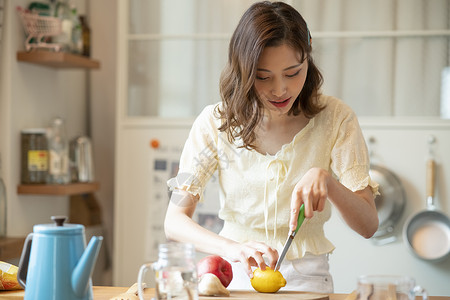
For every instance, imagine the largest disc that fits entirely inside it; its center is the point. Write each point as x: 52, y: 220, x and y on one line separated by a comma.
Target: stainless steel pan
x: 390, y: 203
x: 427, y: 233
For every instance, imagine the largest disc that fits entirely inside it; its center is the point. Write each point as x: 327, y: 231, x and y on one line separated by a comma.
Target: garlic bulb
x: 210, y: 285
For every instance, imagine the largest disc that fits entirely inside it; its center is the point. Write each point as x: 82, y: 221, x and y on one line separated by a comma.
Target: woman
x: 277, y: 143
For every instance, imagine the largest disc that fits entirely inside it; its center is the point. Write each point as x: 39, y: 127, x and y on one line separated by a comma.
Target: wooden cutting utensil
x: 130, y: 294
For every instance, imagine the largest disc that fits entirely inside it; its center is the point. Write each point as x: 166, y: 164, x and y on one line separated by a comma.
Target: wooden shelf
x: 58, y: 60
x: 58, y: 189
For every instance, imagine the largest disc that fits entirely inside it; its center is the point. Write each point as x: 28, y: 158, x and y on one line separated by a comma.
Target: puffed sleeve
x: 349, y: 156
x: 198, y: 160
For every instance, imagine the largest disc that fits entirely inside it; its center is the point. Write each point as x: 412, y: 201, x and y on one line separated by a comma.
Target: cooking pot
x: 390, y: 203
x: 427, y: 233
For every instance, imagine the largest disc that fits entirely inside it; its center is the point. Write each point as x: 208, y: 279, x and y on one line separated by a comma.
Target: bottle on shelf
x: 59, y: 153
x: 86, y: 37
x: 64, y: 13
x: 2, y: 204
x: 77, y: 38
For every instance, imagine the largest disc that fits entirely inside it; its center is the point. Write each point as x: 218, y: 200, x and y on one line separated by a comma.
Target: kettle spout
x: 82, y: 272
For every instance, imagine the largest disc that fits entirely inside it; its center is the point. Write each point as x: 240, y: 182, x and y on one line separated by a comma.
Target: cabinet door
x: 174, y: 66
x: 381, y: 57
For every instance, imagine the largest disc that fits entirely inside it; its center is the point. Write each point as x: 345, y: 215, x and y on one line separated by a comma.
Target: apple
x: 216, y: 265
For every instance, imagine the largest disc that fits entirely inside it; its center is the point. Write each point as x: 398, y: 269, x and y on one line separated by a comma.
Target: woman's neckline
x: 290, y: 143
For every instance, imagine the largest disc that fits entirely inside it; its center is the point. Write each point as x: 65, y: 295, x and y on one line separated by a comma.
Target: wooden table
x: 107, y: 292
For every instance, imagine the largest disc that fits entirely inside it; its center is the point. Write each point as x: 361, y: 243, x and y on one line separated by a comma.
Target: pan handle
x: 431, y: 179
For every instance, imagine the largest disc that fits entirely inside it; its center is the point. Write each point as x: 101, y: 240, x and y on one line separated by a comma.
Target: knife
x: 301, y: 217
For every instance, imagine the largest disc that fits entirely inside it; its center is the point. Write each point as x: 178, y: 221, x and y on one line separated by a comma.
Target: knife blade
x: 301, y: 218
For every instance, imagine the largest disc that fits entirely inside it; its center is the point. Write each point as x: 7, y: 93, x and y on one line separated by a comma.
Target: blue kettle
x: 56, y: 264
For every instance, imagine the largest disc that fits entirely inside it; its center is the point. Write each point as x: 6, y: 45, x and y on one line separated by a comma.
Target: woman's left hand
x: 311, y: 190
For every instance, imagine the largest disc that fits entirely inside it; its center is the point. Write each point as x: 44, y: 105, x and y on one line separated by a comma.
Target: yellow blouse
x: 255, y: 189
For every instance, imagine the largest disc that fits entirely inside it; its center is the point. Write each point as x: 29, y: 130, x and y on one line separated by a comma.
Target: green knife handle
x: 301, y: 217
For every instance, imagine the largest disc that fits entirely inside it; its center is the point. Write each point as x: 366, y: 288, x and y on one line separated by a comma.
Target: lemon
x: 267, y: 281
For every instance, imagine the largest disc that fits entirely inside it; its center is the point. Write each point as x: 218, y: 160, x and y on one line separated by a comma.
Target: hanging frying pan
x: 390, y: 203
x: 427, y: 233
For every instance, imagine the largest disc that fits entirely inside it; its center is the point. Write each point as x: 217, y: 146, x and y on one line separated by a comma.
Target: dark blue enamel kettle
x: 56, y: 264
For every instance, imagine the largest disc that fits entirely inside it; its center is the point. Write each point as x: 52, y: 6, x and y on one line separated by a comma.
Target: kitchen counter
x: 107, y: 292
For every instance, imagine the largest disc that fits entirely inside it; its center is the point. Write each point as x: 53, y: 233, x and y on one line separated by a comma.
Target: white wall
x: 31, y: 96
x: 401, y: 146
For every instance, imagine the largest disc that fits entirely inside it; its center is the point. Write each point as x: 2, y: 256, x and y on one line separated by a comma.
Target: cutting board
x: 105, y: 293
x: 249, y: 295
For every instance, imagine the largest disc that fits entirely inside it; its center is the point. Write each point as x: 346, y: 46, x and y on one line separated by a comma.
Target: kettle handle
x: 24, y: 259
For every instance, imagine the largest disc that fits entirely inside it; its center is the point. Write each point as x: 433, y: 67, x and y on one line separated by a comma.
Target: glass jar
x: 64, y: 13
x: 58, y: 149
x: 175, y: 272
x: 34, y: 156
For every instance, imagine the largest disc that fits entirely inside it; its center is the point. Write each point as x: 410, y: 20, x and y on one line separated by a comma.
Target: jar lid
x: 34, y: 131
x: 176, y: 249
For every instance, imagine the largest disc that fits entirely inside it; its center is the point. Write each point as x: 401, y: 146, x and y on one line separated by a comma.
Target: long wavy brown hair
x: 264, y: 24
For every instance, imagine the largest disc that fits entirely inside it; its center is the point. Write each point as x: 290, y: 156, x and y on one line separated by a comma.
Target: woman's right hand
x: 250, y: 254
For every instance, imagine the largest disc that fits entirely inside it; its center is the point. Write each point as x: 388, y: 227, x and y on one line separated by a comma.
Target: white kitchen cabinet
x: 383, y: 58
x: 141, y: 193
